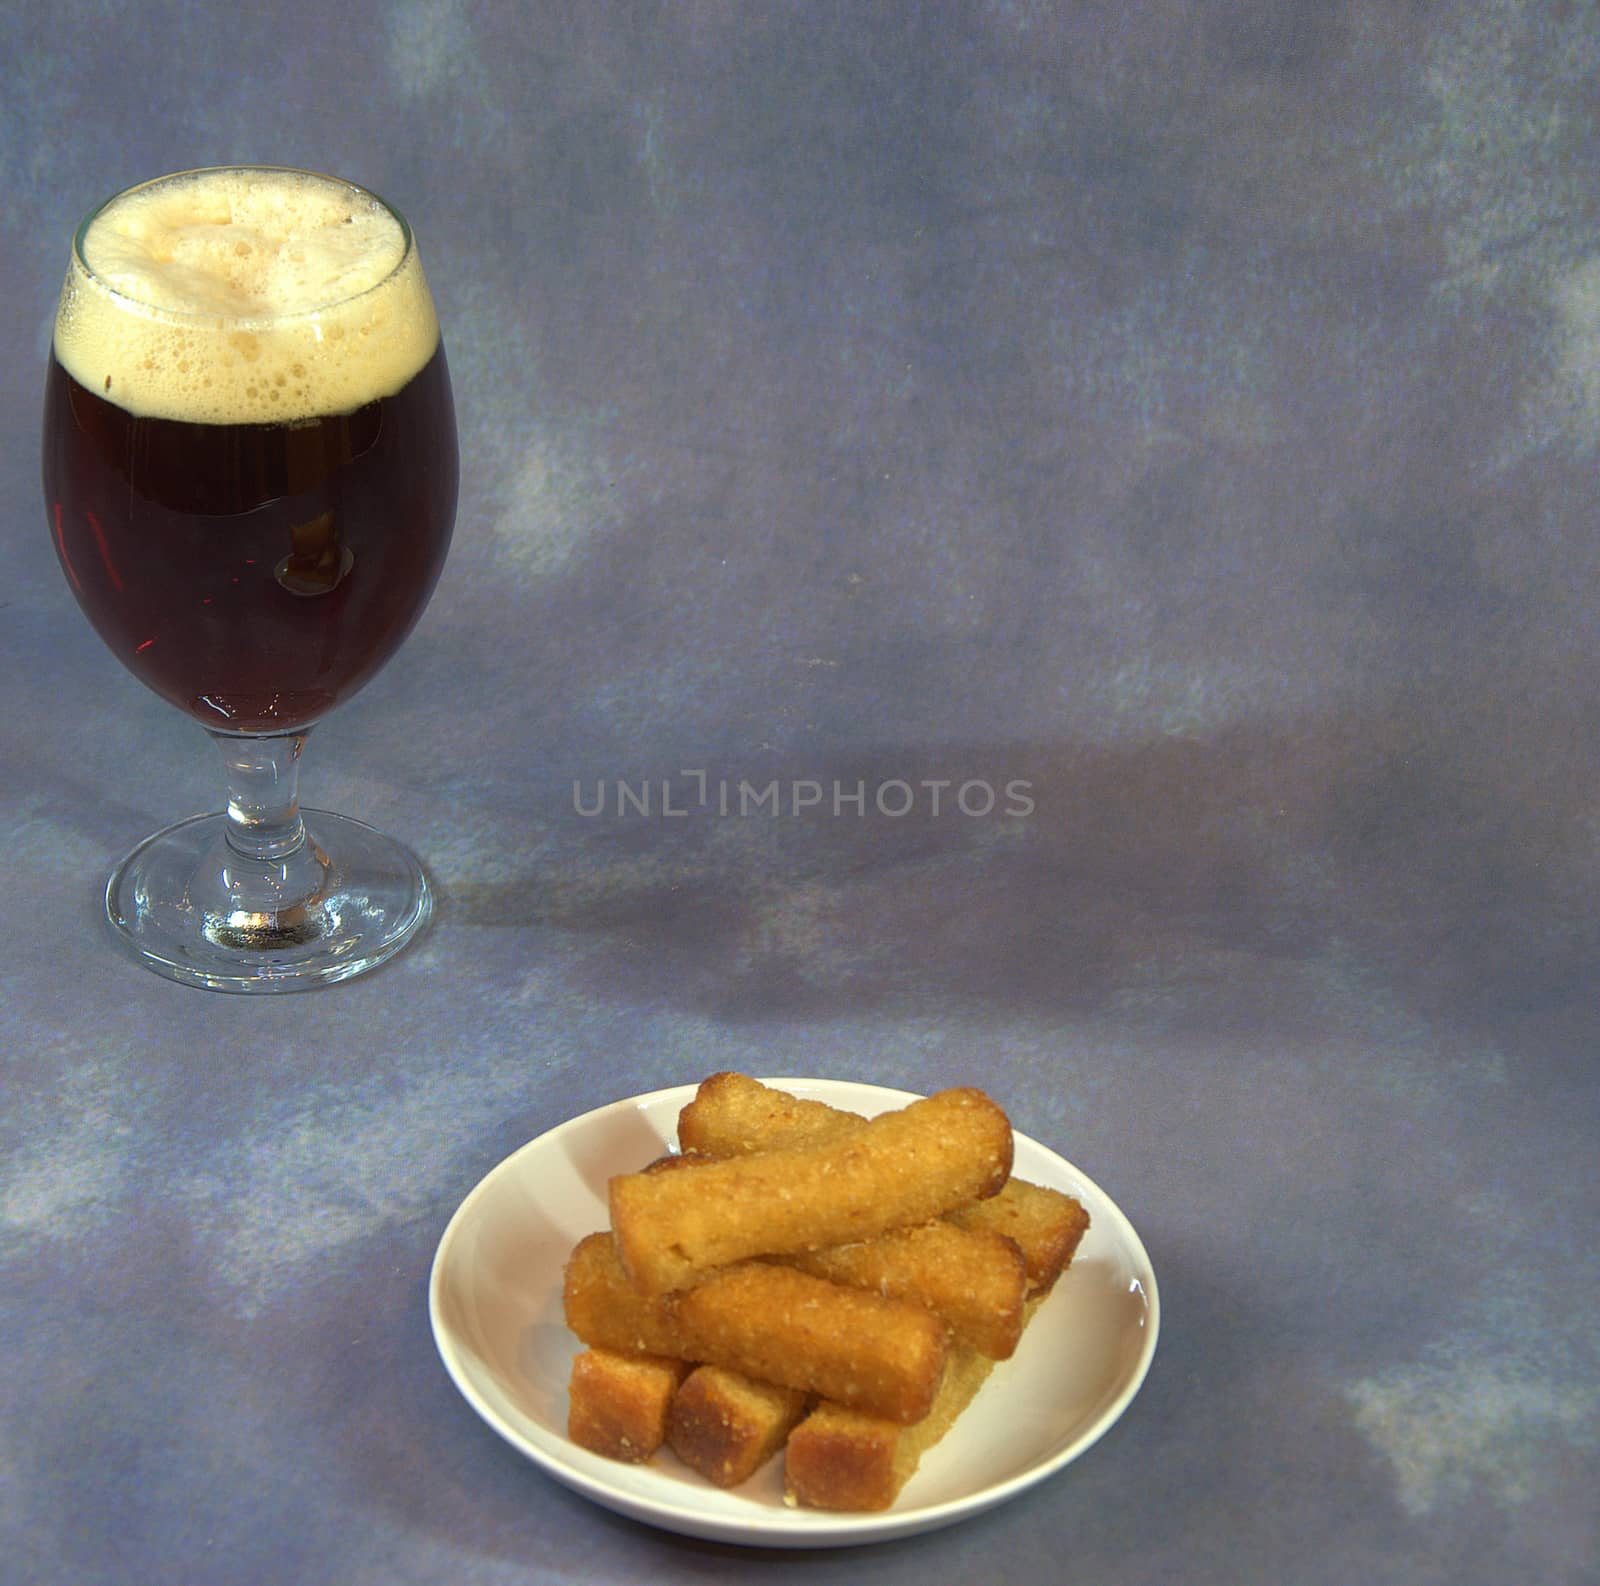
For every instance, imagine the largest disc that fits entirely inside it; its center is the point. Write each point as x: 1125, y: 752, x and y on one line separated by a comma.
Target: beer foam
x: 244, y: 296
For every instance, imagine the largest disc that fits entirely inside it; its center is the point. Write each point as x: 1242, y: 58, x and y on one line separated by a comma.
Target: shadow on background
x: 1459, y: 881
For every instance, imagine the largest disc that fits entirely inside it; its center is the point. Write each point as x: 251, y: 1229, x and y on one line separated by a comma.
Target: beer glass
x: 250, y: 469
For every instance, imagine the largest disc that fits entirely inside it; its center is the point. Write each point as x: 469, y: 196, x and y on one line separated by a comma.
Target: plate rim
x: 782, y: 1527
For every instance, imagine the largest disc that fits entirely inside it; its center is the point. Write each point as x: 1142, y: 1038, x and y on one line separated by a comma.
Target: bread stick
x: 617, y: 1404
x: 605, y: 1310
x: 838, y: 1458
x: 733, y: 1115
x: 770, y: 1322
x: 901, y: 1168
x: 1045, y: 1225
x: 974, y: 1281
x: 727, y: 1425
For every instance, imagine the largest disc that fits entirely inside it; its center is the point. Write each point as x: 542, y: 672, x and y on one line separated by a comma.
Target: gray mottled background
x: 1187, y: 409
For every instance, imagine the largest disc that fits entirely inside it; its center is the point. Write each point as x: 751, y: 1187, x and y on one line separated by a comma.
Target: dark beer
x: 253, y: 574
x: 249, y: 444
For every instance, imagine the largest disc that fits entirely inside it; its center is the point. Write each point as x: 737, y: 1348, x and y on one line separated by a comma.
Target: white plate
x: 495, y: 1303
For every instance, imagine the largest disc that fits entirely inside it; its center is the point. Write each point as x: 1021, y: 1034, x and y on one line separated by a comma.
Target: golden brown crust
x: 770, y: 1322
x: 605, y: 1310
x: 838, y: 1458
x: 617, y: 1404
x: 727, y: 1425
x: 900, y: 1168
x: 804, y: 1332
x: 1046, y: 1225
x: 734, y: 1115
x: 974, y: 1281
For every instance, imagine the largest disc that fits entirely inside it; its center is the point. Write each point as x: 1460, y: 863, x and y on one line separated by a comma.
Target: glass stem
x: 263, y: 795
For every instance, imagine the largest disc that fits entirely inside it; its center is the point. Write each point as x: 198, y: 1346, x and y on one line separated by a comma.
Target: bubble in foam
x: 196, y: 295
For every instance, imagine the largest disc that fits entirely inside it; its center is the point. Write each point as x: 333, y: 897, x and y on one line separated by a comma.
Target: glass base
x: 189, y: 907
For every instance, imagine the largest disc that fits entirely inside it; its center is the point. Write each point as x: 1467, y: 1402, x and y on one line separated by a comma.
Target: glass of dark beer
x: 250, y: 478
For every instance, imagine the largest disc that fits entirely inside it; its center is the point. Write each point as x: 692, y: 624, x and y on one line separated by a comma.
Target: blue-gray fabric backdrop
x: 1171, y: 426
